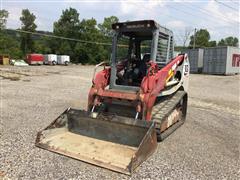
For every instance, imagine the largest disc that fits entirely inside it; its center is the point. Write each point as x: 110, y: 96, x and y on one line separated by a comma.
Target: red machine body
x: 141, y: 98
x: 152, y: 84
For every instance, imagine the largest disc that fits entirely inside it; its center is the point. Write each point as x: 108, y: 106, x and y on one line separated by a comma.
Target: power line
x: 177, y: 36
x: 235, y: 2
x: 65, y: 38
x: 209, y: 14
x: 226, y: 5
x: 180, y: 10
x: 172, y: 17
x: 145, y: 9
x: 192, y: 23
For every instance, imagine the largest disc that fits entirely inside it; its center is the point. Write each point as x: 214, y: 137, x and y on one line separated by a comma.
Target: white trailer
x: 63, y: 59
x: 50, y: 59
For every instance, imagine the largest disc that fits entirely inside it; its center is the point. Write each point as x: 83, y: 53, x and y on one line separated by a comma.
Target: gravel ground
x: 205, y: 147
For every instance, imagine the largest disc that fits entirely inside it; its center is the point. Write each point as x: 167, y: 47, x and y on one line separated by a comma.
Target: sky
x: 220, y: 17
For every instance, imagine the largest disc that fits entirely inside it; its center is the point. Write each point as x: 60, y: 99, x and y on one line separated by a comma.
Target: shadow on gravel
x: 51, y: 72
x: 12, y: 78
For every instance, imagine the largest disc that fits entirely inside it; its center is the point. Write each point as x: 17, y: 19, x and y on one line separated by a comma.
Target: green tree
x: 27, y: 19
x: 221, y: 42
x: 70, y: 26
x: 212, y: 44
x: 67, y: 26
x: 106, y: 35
x: 3, y: 18
x: 10, y: 45
x: 201, y: 40
x: 65, y: 48
x: 9, y: 42
x: 88, y: 30
x: 90, y: 53
x: 83, y: 54
x: 229, y: 41
x: 106, y: 26
x: 42, y: 45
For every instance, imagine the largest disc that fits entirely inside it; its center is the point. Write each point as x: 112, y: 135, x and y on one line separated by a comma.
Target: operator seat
x: 143, y: 65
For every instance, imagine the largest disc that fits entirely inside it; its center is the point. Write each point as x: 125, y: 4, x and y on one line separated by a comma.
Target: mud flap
x: 113, y: 142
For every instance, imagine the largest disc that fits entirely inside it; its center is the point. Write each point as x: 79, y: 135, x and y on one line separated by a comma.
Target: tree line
x: 18, y: 43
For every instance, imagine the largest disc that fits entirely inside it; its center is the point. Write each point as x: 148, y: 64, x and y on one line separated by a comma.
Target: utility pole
x: 194, y: 40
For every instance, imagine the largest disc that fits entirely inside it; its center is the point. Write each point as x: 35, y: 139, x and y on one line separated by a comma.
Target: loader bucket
x: 113, y: 142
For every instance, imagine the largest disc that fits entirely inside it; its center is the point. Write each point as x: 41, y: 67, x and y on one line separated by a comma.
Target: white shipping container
x: 221, y: 60
x: 63, y: 59
x: 195, y: 57
x: 50, y: 59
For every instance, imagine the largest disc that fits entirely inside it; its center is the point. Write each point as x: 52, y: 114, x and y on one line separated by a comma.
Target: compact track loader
x: 136, y: 100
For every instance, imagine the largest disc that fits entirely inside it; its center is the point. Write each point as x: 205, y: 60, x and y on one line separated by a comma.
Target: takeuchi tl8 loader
x: 136, y: 100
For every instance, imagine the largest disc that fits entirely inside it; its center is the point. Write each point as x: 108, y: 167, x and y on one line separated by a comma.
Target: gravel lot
x: 205, y: 147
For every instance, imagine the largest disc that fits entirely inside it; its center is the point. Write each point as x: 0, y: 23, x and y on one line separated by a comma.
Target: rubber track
x: 164, y: 108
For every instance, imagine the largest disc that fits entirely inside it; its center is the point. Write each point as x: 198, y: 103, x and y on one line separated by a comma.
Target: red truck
x: 34, y: 59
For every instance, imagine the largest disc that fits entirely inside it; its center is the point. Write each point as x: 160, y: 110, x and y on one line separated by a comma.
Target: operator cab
x: 131, y: 62
x: 134, y: 45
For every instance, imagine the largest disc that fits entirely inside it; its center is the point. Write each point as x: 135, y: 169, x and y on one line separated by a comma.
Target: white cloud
x: 148, y: 9
x: 15, y: 13
x: 223, y: 17
x: 226, y: 21
x: 160, y: 10
x: 176, y: 24
x: 13, y: 20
